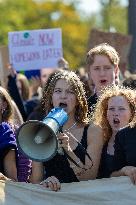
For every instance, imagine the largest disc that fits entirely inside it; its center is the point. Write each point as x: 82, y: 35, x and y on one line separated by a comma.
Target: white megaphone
x: 38, y: 139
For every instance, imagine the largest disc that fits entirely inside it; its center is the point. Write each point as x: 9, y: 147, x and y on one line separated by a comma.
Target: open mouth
x: 116, y: 121
x: 63, y: 105
x: 103, y: 81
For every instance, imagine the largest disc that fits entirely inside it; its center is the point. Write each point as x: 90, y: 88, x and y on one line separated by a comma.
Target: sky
x: 91, y: 6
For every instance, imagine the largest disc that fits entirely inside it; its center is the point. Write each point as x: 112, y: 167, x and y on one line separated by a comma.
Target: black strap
x: 83, y: 150
x: 74, y: 162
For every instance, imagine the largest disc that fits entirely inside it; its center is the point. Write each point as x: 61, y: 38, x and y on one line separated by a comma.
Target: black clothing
x: 59, y: 166
x: 125, y: 148
x: 26, y: 107
x: 91, y: 101
x: 37, y: 114
x: 14, y: 93
x: 106, y: 163
x: 30, y: 106
x: 78, y: 152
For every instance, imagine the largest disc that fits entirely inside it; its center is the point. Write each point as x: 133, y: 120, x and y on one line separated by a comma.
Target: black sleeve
x: 13, y: 90
x: 119, y: 159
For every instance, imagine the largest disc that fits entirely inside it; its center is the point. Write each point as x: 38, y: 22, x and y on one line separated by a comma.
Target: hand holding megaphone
x: 64, y: 142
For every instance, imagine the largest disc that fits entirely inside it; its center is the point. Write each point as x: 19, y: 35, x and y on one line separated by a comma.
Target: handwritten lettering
x: 46, y: 39
x: 33, y: 49
x: 26, y: 56
x: 17, y: 41
x: 52, y: 53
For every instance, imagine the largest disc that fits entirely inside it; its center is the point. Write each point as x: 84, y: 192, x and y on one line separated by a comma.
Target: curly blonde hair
x: 99, y: 115
x: 81, y: 114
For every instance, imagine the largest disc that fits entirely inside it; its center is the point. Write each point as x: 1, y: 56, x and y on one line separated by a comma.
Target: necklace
x: 70, y: 127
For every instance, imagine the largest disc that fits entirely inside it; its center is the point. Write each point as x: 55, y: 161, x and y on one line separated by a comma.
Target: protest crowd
x: 98, y: 140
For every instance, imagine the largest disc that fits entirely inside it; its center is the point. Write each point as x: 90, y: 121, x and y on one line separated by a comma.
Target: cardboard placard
x: 35, y: 49
x: 120, y: 42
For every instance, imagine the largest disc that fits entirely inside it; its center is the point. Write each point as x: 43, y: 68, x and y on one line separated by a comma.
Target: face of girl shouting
x: 102, y: 72
x: 64, y: 97
x: 118, y: 113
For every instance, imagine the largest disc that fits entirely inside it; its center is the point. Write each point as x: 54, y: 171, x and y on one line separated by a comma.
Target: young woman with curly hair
x: 114, y: 110
x: 64, y: 89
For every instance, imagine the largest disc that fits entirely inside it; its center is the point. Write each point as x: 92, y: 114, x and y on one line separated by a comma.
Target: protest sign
x: 35, y: 49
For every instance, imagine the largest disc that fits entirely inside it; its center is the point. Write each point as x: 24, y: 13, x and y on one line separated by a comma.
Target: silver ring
x: 44, y: 181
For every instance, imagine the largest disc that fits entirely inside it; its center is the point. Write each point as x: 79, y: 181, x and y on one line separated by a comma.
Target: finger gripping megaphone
x: 38, y: 139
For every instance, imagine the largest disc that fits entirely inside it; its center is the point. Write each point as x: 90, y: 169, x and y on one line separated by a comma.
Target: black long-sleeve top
x: 125, y: 148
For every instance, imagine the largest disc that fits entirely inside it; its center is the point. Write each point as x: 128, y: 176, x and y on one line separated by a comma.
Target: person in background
x: 28, y: 92
x: 80, y: 140
x: 89, y: 87
x: 23, y: 86
x: 114, y: 110
x: 63, y: 64
x: 38, y: 113
x: 25, y: 92
x: 130, y: 80
x: 14, y: 93
x: 102, y: 68
x: 44, y: 75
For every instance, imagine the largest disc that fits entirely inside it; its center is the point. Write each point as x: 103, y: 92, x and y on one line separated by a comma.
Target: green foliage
x: 18, y: 15
x: 113, y: 15
x: 28, y: 14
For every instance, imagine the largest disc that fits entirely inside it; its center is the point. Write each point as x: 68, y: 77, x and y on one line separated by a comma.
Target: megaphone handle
x: 60, y: 129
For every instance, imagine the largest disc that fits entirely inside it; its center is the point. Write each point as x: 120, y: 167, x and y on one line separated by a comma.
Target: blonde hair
x: 81, y: 114
x: 25, y: 86
x: 103, y: 49
x: 99, y: 116
x: 7, y: 114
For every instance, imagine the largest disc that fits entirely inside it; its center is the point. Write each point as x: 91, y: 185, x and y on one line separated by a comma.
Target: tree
x: 29, y: 14
x: 113, y: 16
